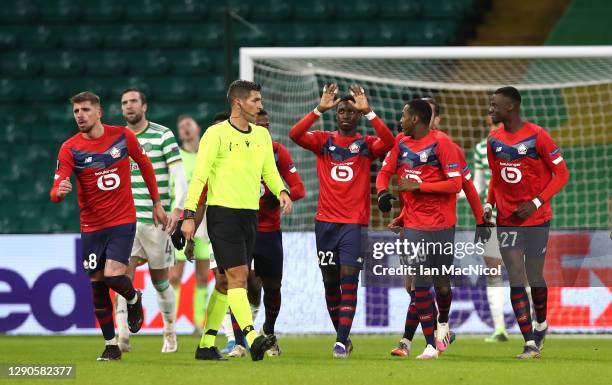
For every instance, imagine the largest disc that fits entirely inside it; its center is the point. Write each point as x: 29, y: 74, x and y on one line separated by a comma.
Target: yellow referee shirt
x: 233, y: 162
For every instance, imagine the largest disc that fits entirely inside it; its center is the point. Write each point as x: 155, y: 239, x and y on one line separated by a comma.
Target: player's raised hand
x: 285, y: 202
x: 361, y: 101
x: 64, y: 187
x: 159, y: 215
x: 328, y: 99
x: 173, y: 220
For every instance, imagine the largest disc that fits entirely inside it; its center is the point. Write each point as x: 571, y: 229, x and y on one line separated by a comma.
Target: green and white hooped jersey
x: 162, y: 149
x: 481, y: 162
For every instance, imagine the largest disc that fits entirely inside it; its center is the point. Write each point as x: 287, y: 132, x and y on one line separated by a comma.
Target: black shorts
x: 435, y: 252
x: 340, y: 244
x: 110, y: 243
x: 523, y: 250
x: 232, y: 235
x: 268, y: 254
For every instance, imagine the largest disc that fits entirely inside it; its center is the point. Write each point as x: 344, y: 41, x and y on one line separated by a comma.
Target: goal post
x: 565, y: 89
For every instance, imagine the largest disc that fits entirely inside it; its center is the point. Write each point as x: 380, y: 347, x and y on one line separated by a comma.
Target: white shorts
x: 491, y: 247
x: 154, y: 245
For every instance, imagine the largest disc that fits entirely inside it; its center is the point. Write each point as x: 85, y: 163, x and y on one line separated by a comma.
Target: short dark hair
x: 262, y: 113
x: 143, y: 97
x: 85, y: 96
x: 241, y: 89
x: 510, y: 92
x: 221, y: 116
x: 430, y: 100
x: 422, y: 109
x: 183, y: 117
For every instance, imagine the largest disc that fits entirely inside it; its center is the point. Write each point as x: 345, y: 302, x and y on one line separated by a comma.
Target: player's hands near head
x: 64, y: 187
x: 286, y: 203
x: 361, y: 101
x: 328, y: 99
x: 525, y: 210
x: 159, y: 215
x: 173, y: 220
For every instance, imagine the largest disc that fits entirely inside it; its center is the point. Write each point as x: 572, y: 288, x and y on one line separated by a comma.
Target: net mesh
x: 568, y: 97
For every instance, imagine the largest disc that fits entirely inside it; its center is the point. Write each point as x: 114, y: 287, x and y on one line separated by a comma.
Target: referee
x: 234, y: 156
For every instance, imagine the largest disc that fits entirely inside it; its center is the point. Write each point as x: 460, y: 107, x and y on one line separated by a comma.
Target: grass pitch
x: 307, y: 360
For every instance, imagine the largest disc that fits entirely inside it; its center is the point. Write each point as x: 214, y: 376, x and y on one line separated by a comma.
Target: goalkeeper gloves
x: 271, y: 201
x: 483, y: 233
x: 384, y: 201
x: 178, y: 240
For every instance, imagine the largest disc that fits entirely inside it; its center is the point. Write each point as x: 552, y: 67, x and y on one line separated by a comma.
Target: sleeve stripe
x: 453, y: 174
x: 468, y: 176
x: 558, y: 160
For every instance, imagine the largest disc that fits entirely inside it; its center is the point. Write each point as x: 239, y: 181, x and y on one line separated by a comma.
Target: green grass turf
x: 307, y: 360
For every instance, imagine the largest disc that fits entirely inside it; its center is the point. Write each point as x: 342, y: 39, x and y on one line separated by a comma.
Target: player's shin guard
x: 239, y: 304
x: 412, y: 318
x: 217, y: 307
x: 332, y: 299
x: 522, y: 311
x: 348, y: 304
x: 443, y: 300
x: 103, y: 308
x: 272, y: 304
x: 540, y: 300
x: 166, y: 303
x: 199, y: 305
x: 425, y: 305
x: 123, y: 286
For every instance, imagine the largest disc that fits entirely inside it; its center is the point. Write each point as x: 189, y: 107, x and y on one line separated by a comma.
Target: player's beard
x: 86, y: 129
x: 135, y: 119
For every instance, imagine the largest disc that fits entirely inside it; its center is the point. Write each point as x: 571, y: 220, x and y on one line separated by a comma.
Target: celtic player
x: 152, y: 245
x: 189, y: 136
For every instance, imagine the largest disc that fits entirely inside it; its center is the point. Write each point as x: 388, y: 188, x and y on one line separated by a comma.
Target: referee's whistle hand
x: 188, y: 229
x: 285, y: 202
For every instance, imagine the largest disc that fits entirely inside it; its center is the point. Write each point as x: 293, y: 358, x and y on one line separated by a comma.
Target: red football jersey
x: 433, y: 158
x: 102, y: 168
x: 522, y: 164
x: 269, y: 218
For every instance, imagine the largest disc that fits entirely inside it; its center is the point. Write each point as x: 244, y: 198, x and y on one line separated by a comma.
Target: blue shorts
x: 110, y: 243
x: 435, y: 251
x: 340, y: 244
x: 268, y: 254
x: 531, y: 240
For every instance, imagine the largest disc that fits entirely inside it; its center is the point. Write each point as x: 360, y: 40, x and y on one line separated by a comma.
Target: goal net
x: 566, y: 90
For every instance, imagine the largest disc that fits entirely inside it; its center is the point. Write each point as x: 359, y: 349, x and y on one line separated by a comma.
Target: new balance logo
x: 88, y: 159
x: 498, y: 149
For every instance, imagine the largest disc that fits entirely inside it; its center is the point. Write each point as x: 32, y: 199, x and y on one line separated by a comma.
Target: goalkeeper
x: 234, y: 156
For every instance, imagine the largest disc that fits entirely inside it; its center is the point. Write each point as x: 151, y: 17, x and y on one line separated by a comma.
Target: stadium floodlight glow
x: 565, y: 89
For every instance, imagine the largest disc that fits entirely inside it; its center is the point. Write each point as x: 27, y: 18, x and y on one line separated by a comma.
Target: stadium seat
x: 293, y: 35
x: 59, y: 11
x: 384, y: 35
x: 316, y: 10
x: 9, y: 91
x: 400, y: 9
x: 43, y: 90
x: 172, y: 89
x: 38, y: 37
x: 186, y: 10
x: 107, y: 63
x: 445, y: 9
x: 193, y: 62
x: 20, y: 12
x: 164, y: 114
x: 144, y: 11
x: 338, y: 35
x: 357, y: 10
x: 149, y: 62
x: 166, y: 37
x: 119, y: 84
x: 85, y: 37
x: 8, y: 39
x: 211, y: 89
x: 126, y: 37
x: 20, y: 64
x: 13, y: 133
x: 216, y: 11
x: 270, y: 10
x: 103, y: 11
x: 246, y: 37
x: 210, y: 35
x: 63, y: 64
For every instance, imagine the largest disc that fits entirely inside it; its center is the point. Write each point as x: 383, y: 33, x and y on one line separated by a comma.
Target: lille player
x: 429, y: 166
x: 344, y: 158
x: 99, y: 156
x: 152, y: 245
x: 527, y: 170
x: 482, y: 233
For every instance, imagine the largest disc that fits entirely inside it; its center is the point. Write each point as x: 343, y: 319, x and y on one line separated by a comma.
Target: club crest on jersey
x: 354, y: 148
x: 423, y: 156
x: 522, y: 149
x: 147, y: 147
x: 115, y: 152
